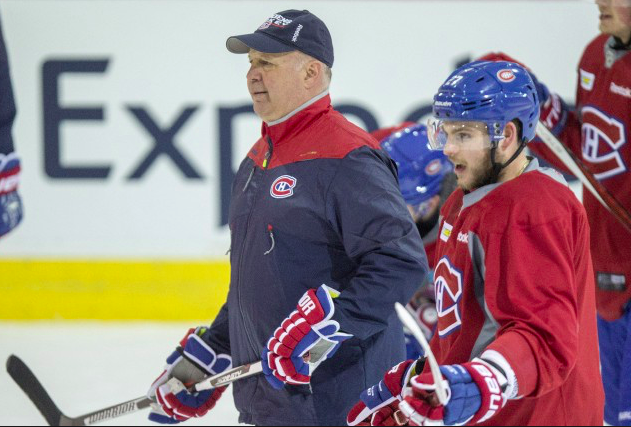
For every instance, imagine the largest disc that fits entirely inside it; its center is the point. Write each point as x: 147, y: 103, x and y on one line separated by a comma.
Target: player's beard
x: 480, y: 176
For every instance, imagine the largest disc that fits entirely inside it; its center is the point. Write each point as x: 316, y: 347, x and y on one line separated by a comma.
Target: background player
x: 10, y: 202
x: 514, y: 278
x: 426, y: 179
x: 599, y: 132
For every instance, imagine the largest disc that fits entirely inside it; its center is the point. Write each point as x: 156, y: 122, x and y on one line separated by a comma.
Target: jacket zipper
x: 266, y: 163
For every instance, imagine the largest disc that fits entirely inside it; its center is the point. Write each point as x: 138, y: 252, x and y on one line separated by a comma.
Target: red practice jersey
x: 514, y: 275
x: 599, y: 134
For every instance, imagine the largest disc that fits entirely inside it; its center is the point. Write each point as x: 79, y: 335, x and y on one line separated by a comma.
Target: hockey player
x: 426, y: 179
x: 516, y: 336
x: 10, y: 202
x: 599, y: 133
x: 322, y: 246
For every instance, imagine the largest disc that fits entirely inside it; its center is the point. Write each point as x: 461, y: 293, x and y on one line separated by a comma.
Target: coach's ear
x: 314, y: 71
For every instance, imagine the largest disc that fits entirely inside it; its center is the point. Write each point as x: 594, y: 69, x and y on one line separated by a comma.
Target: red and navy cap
x: 285, y: 32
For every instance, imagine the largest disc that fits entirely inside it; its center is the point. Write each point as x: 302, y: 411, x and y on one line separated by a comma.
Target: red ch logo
x: 506, y: 75
x: 448, y: 288
x: 283, y: 187
x: 603, y: 137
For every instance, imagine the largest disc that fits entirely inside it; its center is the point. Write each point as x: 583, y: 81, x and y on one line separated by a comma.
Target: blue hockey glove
x: 193, y: 360
x: 304, y: 340
x: 475, y: 392
x: 379, y: 405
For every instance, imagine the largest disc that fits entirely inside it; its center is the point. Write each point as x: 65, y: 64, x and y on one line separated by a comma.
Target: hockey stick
x: 27, y: 381
x: 584, y: 175
x: 410, y: 323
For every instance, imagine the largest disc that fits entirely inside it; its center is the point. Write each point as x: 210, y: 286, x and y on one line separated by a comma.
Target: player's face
x: 467, y: 147
x: 615, y: 18
x: 275, y: 83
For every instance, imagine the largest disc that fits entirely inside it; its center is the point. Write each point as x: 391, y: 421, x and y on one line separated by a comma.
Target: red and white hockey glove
x: 10, y: 202
x: 306, y: 338
x: 379, y: 405
x: 191, y: 362
x: 475, y: 392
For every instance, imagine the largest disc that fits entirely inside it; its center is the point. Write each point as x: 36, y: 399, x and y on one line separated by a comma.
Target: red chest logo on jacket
x: 603, y: 137
x: 448, y: 288
x: 283, y: 187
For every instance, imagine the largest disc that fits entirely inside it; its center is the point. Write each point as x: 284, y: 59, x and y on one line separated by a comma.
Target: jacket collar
x: 283, y: 129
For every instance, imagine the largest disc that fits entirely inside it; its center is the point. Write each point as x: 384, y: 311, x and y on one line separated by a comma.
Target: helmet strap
x: 497, y: 167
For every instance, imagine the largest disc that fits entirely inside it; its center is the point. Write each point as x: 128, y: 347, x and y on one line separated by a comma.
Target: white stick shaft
x: 230, y: 376
x: 410, y: 323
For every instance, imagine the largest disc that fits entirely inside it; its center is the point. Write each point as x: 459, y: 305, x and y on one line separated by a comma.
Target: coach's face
x: 276, y: 83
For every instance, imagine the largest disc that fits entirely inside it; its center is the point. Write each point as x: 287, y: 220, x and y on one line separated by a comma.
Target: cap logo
x: 442, y: 104
x: 506, y: 76
x: 276, y: 21
x: 283, y: 187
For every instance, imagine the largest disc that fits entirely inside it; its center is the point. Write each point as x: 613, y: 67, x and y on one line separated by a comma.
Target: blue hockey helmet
x: 492, y: 93
x: 421, y: 169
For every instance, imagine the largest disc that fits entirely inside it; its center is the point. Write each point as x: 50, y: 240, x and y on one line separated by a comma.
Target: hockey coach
x: 322, y: 246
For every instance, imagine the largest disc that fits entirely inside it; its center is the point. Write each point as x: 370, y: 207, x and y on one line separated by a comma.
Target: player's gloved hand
x: 553, y: 110
x: 474, y: 394
x: 191, y: 362
x: 306, y: 338
x: 10, y: 202
x: 379, y: 405
x: 424, y: 311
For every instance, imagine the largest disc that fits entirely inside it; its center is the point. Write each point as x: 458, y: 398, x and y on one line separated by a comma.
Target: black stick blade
x: 23, y: 376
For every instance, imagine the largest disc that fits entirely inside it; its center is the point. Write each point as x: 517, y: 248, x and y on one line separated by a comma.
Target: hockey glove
x: 474, y: 394
x: 191, y: 362
x: 304, y: 340
x: 553, y: 111
x: 10, y: 202
x: 379, y: 405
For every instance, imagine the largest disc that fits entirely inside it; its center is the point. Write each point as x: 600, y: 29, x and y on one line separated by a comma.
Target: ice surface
x: 87, y: 366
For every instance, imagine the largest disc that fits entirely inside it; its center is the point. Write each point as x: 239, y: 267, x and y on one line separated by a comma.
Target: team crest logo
x: 506, y: 76
x: 603, y: 137
x: 448, y: 288
x: 276, y: 21
x: 433, y: 167
x: 283, y: 187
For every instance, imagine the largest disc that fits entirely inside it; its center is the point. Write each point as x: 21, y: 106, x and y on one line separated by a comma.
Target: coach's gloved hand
x: 475, y: 392
x: 191, y: 362
x: 10, y: 202
x: 379, y: 405
x: 306, y: 338
x: 553, y: 110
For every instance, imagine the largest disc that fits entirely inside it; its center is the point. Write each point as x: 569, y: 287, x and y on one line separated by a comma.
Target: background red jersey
x: 599, y: 132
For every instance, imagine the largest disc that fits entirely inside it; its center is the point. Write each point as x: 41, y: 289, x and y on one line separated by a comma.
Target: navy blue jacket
x: 7, y: 102
x: 316, y: 202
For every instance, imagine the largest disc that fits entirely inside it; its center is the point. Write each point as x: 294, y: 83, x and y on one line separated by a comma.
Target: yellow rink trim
x: 112, y: 290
